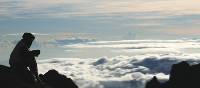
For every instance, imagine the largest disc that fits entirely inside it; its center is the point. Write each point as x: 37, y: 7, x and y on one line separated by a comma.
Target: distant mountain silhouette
x: 51, y: 79
x: 182, y: 75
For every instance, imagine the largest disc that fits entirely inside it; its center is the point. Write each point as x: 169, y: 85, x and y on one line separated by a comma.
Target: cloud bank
x: 115, y: 72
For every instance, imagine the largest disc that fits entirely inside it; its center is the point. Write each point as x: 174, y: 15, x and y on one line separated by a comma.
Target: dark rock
x: 182, y: 75
x: 179, y: 75
x: 51, y: 79
x: 153, y: 83
x: 56, y: 80
x: 10, y: 80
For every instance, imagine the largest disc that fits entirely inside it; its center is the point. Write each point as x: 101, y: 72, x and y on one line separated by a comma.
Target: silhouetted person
x: 22, y: 60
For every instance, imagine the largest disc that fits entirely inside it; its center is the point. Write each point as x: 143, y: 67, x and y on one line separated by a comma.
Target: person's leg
x: 33, y: 68
x: 23, y: 73
x: 28, y: 76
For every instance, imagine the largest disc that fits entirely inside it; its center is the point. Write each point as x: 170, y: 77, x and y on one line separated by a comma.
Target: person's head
x: 28, y: 38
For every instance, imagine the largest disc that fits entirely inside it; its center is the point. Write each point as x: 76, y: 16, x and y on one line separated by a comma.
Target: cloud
x: 119, y: 71
x: 65, y: 8
x: 29, y: 8
x: 142, y: 46
x: 152, y: 15
x: 45, y: 40
x: 174, y: 7
x: 187, y: 31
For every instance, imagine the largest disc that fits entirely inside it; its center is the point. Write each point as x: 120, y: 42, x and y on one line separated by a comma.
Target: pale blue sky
x: 105, y: 18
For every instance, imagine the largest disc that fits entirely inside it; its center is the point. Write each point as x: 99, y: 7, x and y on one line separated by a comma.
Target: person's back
x: 17, y: 55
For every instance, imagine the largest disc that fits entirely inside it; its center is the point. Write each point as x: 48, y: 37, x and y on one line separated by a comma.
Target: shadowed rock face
x: 153, y: 83
x: 56, y: 80
x: 182, y: 75
x: 52, y: 79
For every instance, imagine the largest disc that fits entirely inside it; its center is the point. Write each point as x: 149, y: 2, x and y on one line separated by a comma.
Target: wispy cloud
x: 186, y: 32
x: 174, y: 7
x: 139, y: 44
x: 154, y: 16
x: 9, y: 40
x: 60, y: 8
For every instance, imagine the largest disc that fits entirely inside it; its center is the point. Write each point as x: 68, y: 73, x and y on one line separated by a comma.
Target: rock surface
x: 51, y: 79
x: 182, y: 75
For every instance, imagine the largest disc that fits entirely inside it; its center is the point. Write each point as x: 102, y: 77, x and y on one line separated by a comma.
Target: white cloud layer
x: 115, y: 72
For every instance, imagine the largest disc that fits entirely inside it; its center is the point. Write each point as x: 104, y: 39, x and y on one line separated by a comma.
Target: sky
x: 60, y: 23
x: 105, y: 19
x: 99, y: 43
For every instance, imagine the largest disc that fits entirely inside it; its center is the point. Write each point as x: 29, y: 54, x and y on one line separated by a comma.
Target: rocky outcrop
x: 51, y: 79
x: 153, y: 83
x: 182, y: 75
x: 56, y: 80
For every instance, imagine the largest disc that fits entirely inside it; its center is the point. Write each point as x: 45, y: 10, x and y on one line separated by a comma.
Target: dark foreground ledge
x: 51, y: 79
x: 182, y: 75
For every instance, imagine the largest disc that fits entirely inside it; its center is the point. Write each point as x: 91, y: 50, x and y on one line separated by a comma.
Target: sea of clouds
x: 146, y: 58
x: 116, y: 72
x: 92, y: 63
